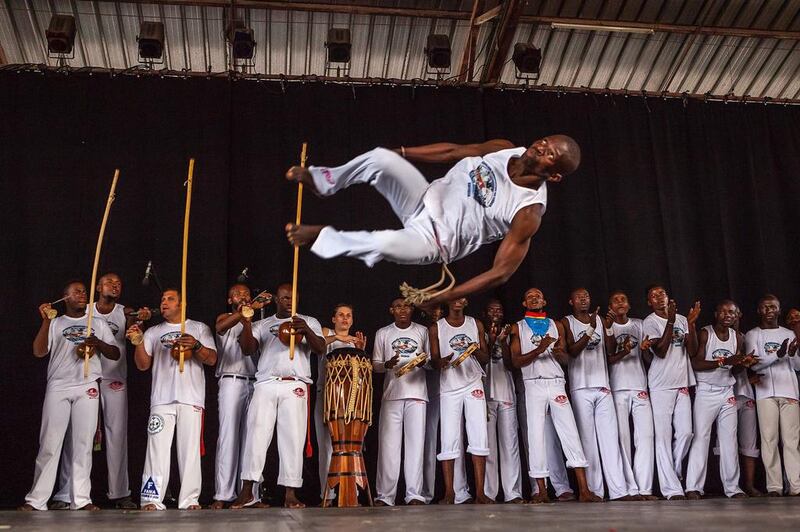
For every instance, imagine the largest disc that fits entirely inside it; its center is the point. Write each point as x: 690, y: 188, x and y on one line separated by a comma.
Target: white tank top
x: 628, y: 373
x: 230, y: 360
x: 545, y: 366
x: 716, y: 348
x: 499, y: 380
x: 323, y: 361
x: 456, y: 340
x: 588, y: 369
x: 115, y: 370
x: 474, y: 203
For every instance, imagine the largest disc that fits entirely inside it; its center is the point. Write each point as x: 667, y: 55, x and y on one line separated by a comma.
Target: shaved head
x: 570, y: 154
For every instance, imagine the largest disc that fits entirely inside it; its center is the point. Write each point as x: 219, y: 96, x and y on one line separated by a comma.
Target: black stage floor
x: 761, y: 515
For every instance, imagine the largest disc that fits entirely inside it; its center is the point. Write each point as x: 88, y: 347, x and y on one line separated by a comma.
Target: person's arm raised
x: 447, y: 152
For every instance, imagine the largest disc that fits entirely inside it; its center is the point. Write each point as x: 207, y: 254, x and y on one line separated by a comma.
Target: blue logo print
x: 593, y: 343
x: 405, y: 346
x: 459, y: 343
x: 149, y: 490
x: 75, y: 333
x: 622, y: 338
x: 678, y: 335
x: 483, y: 185
x: 168, y: 339
x: 771, y: 348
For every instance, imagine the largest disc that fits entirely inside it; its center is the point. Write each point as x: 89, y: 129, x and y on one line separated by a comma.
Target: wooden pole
x: 297, y: 249
x: 185, y: 256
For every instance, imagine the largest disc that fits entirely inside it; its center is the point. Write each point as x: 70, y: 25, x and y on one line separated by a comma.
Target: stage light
x: 438, y: 51
x: 527, y: 58
x: 243, y: 43
x: 151, y: 40
x: 60, y: 34
x: 338, y: 45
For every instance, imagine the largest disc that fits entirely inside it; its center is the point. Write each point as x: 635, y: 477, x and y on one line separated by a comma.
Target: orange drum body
x: 347, y: 409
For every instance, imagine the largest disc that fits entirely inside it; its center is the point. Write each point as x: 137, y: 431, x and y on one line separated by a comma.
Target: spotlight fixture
x: 242, y: 41
x: 151, y: 40
x: 338, y: 45
x: 438, y: 52
x: 527, y: 60
x: 61, y: 35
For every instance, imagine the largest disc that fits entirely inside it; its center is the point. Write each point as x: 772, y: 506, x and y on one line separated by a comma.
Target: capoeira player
x: 280, y: 396
x: 236, y: 374
x: 335, y: 338
x: 71, y: 401
x: 587, y: 340
x: 776, y: 397
x: 461, y: 395
x: 539, y: 354
x: 177, y: 401
x: 672, y: 337
x: 403, y: 406
x: 494, y: 192
x: 629, y: 388
x: 719, y: 351
x: 113, y: 398
x: 503, y: 461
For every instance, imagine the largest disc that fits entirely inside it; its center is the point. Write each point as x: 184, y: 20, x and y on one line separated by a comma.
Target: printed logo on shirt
x: 169, y: 339
x: 404, y: 346
x: 273, y: 330
x: 477, y: 394
x: 497, y: 353
x: 593, y: 343
x: 92, y: 393
x: 299, y: 392
x: 678, y: 336
x: 326, y: 173
x: 622, y: 338
x: 459, y: 343
x: 561, y: 399
x: 114, y: 327
x: 155, y: 424
x: 721, y: 353
x: 150, y: 490
x: 483, y: 185
x: 683, y: 391
x: 75, y: 333
x: 731, y: 400
x: 644, y: 396
x: 117, y: 386
x: 771, y: 348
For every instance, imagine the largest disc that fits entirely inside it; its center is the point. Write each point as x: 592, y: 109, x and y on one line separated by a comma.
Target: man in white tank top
x: 631, y: 400
x: 540, y: 352
x: 672, y: 337
x: 587, y: 342
x: 719, y: 354
x: 494, y: 192
x: 236, y: 374
x: 461, y: 395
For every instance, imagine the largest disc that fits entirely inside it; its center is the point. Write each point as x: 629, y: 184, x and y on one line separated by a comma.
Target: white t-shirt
x: 499, y: 379
x: 273, y: 361
x: 474, y: 203
x: 456, y: 340
x: 673, y: 370
x: 65, y: 369
x: 408, y: 343
x: 545, y: 366
x: 230, y: 359
x: 716, y: 348
x: 778, y: 378
x: 115, y: 370
x: 628, y: 373
x: 588, y: 369
x: 169, y: 384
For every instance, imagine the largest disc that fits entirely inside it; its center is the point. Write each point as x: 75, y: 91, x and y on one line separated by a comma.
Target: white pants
x: 431, y: 439
x: 672, y: 409
x: 639, y: 466
x: 747, y: 429
x: 541, y: 396
x: 468, y: 404
x: 284, y: 403
x: 164, y: 422
x: 598, y: 427
x: 779, y: 418
x: 403, y: 186
x: 401, y: 425
x: 233, y: 398
x: 114, y: 407
x: 714, y: 403
x: 324, y: 446
x: 503, y: 444
x: 76, y: 409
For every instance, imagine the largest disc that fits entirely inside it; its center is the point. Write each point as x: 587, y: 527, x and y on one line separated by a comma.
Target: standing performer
x: 177, y: 401
x: 403, y: 406
x: 719, y: 351
x: 461, y: 395
x: 672, y: 337
x: 495, y: 192
x: 236, y: 375
x: 776, y: 396
x: 591, y: 395
x: 631, y: 400
x: 280, y: 397
x: 71, y: 400
x: 502, y: 425
x: 539, y: 354
x: 113, y: 398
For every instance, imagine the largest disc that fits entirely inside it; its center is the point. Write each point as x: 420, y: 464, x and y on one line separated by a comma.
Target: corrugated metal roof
x: 388, y: 45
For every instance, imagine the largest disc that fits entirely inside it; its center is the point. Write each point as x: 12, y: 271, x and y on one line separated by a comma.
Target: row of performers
x: 451, y: 376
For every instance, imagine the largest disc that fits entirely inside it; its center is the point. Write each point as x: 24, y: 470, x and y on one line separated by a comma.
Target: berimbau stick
x: 109, y: 201
x: 297, y: 249
x: 185, y: 256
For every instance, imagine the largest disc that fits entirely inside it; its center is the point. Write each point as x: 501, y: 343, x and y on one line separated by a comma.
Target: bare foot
x: 649, y: 497
x: 298, y: 174
x: 540, y: 498
x: 774, y: 494
x: 693, y: 496
x: 483, y: 499
x: 628, y: 498
x: 380, y: 503
x: 518, y: 500
x: 302, y: 235
x: 676, y: 498
x: 567, y: 496
x: 739, y: 495
x: 259, y: 505
x: 90, y: 508
x: 416, y: 502
x: 217, y: 505
x: 291, y: 500
x: 149, y: 508
x: 27, y: 508
x: 752, y: 492
x: 449, y: 498
x: 589, y: 497
x: 244, y: 499
x: 193, y: 507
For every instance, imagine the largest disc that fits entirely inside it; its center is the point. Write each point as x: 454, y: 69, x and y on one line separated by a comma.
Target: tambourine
x: 413, y: 363
x: 466, y: 354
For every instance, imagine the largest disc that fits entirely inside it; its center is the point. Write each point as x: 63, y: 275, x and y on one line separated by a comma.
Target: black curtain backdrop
x: 700, y: 196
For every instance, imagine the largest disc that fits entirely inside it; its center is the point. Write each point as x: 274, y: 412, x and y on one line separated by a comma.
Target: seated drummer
x: 280, y: 396
x: 403, y: 405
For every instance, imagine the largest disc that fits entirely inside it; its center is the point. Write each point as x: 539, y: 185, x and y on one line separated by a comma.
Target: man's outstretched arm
x: 510, y: 254
x: 447, y: 152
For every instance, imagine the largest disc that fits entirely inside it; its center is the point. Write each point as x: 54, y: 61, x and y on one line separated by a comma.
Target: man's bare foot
x: 629, y: 498
x: 449, y: 498
x: 416, y: 502
x: 483, y: 499
x: 302, y: 235
x: 774, y: 494
x: 540, y: 498
x: 379, y: 502
x: 149, y: 508
x: 518, y: 500
x: 567, y: 496
x: 589, y: 497
x: 291, y: 500
x: 217, y: 505
x: 259, y: 505
x: 193, y: 507
x: 677, y: 498
x: 468, y: 500
x: 693, y: 496
x: 752, y: 492
x: 739, y: 495
x: 89, y: 508
x: 298, y: 174
x: 27, y: 508
x: 650, y: 497
x: 245, y: 498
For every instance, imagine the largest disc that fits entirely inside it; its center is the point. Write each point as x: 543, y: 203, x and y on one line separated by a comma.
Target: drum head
x: 344, y: 351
